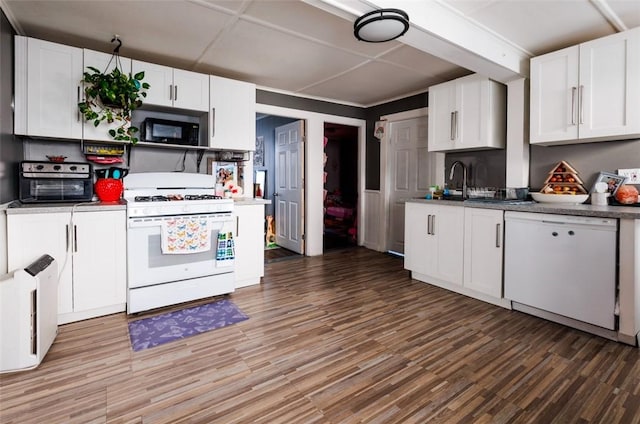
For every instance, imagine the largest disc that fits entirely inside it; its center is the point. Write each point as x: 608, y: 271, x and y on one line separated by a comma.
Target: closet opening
x: 340, y: 186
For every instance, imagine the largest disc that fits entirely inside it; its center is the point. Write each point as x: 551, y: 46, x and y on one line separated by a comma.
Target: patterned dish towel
x: 183, y: 235
x: 226, y: 249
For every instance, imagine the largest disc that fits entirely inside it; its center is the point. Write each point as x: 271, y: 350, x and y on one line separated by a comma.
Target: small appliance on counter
x: 47, y: 182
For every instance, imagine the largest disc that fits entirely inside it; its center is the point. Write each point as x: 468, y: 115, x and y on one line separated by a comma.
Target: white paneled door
x: 289, y: 195
x: 410, y: 173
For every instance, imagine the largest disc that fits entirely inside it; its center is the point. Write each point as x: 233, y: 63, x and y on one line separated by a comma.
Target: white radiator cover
x: 28, y: 314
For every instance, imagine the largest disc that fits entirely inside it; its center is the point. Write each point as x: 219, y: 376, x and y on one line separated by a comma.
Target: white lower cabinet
x: 434, y: 241
x: 249, y: 243
x: 483, y: 248
x: 90, y: 250
x: 457, y: 248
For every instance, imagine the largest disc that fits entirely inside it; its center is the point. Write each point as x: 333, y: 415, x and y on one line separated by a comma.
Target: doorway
x: 271, y: 165
x: 410, y: 170
x: 340, y: 179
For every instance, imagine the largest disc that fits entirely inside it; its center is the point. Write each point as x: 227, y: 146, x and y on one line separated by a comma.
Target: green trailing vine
x: 111, y: 97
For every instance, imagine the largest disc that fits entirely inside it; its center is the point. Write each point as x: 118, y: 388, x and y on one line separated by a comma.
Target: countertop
x: 21, y: 208
x: 239, y: 201
x: 629, y: 212
x: 16, y: 207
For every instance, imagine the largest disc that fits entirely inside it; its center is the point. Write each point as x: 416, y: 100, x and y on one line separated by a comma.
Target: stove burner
x: 201, y: 197
x: 176, y: 197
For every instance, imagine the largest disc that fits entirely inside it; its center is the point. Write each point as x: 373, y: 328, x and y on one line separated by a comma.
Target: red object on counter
x: 627, y: 195
x: 108, y: 189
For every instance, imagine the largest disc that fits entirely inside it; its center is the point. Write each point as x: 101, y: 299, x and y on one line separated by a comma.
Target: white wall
x: 314, y: 169
x: 3, y: 240
x: 518, y: 133
x: 374, y: 224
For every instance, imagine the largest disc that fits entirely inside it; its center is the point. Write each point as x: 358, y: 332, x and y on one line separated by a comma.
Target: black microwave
x: 170, y: 132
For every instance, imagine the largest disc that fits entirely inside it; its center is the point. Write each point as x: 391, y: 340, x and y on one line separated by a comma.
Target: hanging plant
x: 111, y: 97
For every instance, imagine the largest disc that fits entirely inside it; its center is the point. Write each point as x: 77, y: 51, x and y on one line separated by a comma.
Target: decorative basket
x: 108, y: 189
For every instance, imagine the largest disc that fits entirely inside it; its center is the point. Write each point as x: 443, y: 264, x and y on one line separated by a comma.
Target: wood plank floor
x: 346, y: 337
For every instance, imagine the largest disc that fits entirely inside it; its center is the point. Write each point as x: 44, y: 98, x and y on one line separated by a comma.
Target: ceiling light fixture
x: 381, y: 25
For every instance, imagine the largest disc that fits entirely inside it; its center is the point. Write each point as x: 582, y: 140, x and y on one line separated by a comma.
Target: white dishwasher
x: 562, y: 264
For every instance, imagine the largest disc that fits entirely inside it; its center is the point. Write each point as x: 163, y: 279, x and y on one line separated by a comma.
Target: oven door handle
x: 216, y: 222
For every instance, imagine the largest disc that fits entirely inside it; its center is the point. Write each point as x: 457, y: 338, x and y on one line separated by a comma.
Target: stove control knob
x: 57, y: 167
x: 39, y: 167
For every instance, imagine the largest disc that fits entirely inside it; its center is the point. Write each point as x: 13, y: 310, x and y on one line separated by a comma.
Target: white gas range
x: 179, y: 239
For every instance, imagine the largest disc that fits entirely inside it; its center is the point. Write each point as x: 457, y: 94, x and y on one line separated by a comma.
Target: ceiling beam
x: 442, y: 31
x: 605, y: 10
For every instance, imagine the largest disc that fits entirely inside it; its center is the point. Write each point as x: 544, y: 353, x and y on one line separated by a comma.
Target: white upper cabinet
x: 232, y: 119
x: 174, y: 88
x: 47, y: 89
x: 468, y: 113
x: 587, y: 92
x: 104, y: 62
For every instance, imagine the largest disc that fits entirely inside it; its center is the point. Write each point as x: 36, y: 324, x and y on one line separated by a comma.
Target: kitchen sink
x: 501, y: 201
x: 454, y: 198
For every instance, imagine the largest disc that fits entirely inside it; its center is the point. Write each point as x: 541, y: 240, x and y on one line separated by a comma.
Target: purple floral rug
x: 160, y: 329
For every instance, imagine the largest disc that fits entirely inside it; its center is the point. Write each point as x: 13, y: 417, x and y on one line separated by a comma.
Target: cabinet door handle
x: 580, y: 99
x: 455, y: 127
x: 237, y: 226
x: 498, y: 235
x: 75, y: 238
x: 433, y: 225
x: 78, y: 101
x: 171, y: 92
x: 428, y: 224
x: 451, y: 126
x: 175, y: 93
x: 67, y: 232
x: 573, y: 105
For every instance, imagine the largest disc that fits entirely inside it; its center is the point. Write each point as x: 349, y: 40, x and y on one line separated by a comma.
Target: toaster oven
x: 46, y: 182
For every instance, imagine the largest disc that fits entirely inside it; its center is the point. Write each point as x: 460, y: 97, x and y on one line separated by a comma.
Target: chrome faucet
x: 464, y: 176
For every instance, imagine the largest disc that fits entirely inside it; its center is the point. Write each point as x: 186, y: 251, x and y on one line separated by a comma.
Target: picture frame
x: 614, y: 181
x: 226, y: 173
x: 258, y: 155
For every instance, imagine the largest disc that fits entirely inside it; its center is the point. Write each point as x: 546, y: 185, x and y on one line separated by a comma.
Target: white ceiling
x: 307, y: 47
